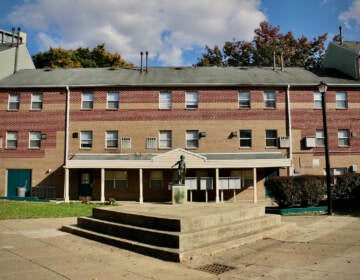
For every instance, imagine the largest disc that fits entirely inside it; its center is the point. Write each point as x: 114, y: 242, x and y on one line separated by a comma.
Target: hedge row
x: 309, y: 190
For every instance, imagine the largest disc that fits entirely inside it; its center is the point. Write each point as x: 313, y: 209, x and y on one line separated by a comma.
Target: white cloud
x: 352, y: 14
x: 166, y: 28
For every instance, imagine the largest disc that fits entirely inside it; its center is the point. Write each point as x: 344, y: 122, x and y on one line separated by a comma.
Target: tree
x: 82, y: 57
x: 267, y: 42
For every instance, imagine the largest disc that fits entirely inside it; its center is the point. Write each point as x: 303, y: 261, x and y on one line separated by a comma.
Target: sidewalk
x: 322, y: 248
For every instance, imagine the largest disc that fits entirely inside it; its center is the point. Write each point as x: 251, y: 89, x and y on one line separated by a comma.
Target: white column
x: 102, y: 198
x: 141, y: 196
x: 255, y: 186
x: 66, y: 186
x: 217, y: 185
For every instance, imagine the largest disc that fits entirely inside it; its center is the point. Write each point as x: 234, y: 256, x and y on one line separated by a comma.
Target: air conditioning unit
x: 310, y: 142
x: 353, y: 168
x: 284, y: 142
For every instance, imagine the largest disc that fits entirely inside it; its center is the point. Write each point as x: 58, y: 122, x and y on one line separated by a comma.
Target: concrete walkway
x: 322, y: 248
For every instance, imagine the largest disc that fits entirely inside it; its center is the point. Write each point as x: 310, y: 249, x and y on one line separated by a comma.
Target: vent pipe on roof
x: 141, y: 61
x: 282, y: 61
x: 274, y: 61
x: 147, y: 60
x: 17, y: 50
x: 340, y: 32
x: 12, y: 35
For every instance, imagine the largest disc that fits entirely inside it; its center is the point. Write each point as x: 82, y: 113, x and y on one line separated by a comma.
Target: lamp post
x: 322, y: 89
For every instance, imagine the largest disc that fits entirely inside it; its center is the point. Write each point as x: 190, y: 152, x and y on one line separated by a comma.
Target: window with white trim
x: 86, y: 138
x: 116, y: 179
x: 165, y: 100
x: 36, y: 101
x: 165, y: 139
x: 11, y: 139
x: 343, y: 137
x: 317, y: 100
x: 87, y: 101
x: 34, y: 139
x: 192, y: 139
x: 14, y: 101
x: 269, y: 99
x: 191, y: 100
x: 151, y: 143
x: 244, y: 100
x: 245, y: 138
x: 271, y: 138
x: 125, y: 143
x: 341, y: 100
x: 111, y: 139
x: 320, y: 138
x: 112, y: 101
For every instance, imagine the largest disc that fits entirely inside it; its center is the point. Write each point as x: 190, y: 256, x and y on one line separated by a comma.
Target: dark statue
x: 181, y: 170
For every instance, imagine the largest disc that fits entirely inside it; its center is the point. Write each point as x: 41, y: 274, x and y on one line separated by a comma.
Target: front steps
x: 179, y: 233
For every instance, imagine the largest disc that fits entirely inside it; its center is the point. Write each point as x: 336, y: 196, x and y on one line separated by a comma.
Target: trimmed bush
x: 293, y: 191
x: 347, y: 186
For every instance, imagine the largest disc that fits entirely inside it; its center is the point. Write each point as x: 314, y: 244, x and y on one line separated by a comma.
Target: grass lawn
x: 26, y: 210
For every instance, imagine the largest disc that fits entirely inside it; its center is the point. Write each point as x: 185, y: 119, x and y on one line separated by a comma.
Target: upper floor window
x: 192, y: 139
x: 244, y: 100
x: 317, y: 100
x: 112, y: 100
x: 86, y: 139
x: 271, y: 138
x: 11, y: 139
x: 36, y: 101
x: 343, y: 137
x: 87, y: 101
x: 165, y: 100
x: 245, y: 138
x: 192, y: 100
x: 165, y: 139
x: 34, y: 139
x: 320, y: 138
x: 151, y: 143
x: 126, y: 143
x: 111, y: 139
x: 341, y: 100
x: 14, y: 101
x: 269, y: 99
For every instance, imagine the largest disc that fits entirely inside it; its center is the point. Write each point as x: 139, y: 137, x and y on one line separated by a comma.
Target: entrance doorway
x: 85, y: 188
x: 18, y: 178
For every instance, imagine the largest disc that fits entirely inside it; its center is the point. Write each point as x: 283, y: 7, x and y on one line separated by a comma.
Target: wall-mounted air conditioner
x: 284, y: 142
x: 310, y: 142
x: 353, y: 168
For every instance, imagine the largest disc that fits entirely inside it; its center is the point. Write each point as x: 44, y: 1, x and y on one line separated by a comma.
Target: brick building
x: 117, y: 132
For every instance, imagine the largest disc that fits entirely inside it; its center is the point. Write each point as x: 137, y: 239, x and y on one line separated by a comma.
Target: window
x: 111, y: 139
x: 245, y: 138
x: 126, y: 143
x: 87, y: 101
x: 269, y: 99
x: 11, y: 139
x: 192, y: 139
x: 34, y: 139
x: 317, y: 100
x: 320, y: 138
x: 271, y: 138
x: 343, y: 137
x: 165, y: 100
x: 86, y: 139
x: 165, y: 139
x: 112, y: 100
x: 151, y: 143
x: 116, y: 179
x: 36, y: 101
x: 191, y: 100
x: 14, y: 101
x: 156, y: 179
x: 341, y: 100
x: 244, y: 100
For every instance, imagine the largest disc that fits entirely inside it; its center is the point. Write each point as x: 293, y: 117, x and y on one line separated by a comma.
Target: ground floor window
x: 116, y: 179
x: 156, y: 179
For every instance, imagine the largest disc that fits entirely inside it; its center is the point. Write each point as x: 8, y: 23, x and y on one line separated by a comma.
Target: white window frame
x: 192, y: 100
x: 320, y: 138
x: 192, y: 136
x: 34, y: 139
x: 151, y: 143
x: 11, y: 137
x: 273, y: 138
x: 36, y: 101
x: 112, y: 100
x: 343, y: 138
x: 86, y: 139
x: 125, y: 143
x: 242, y: 138
x: 165, y: 139
x: 111, y: 139
x: 269, y: 99
x: 14, y: 102
x: 317, y: 100
x: 244, y: 100
x: 87, y: 101
x: 165, y: 100
x: 341, y: 100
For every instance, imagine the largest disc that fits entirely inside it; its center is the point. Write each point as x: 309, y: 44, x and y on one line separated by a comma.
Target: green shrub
x: 347, y: 186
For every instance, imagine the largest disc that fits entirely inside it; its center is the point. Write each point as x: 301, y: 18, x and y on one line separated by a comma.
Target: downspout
x: 67, y: 118
x: 291, y: 168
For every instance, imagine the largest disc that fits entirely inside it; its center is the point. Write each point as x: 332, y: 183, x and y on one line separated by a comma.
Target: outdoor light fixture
x: 322, y: 89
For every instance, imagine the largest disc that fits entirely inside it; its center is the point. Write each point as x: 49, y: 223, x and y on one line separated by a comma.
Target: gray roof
x: 352, y: 45
x: 169, y: 77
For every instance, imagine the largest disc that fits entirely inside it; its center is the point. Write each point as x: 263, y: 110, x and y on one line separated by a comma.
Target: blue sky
x: 174, y: 32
